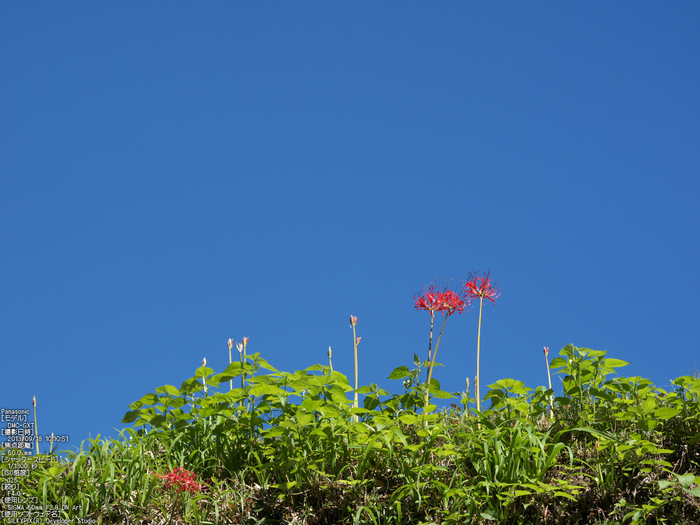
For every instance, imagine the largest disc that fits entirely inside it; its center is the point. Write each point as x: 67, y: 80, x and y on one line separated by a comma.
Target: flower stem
x: 478, y: 355
x: 432, y: 362
x: 549, y: 377
x: 36, y: 440
x: 430, y: 341
x: 240, y: 354
x: 245, y: 356
x: 354, y: 340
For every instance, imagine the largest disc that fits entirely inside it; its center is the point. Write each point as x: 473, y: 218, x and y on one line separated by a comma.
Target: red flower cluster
x: 182, y: 481
x: 481, y: 287
x: 434, y: 300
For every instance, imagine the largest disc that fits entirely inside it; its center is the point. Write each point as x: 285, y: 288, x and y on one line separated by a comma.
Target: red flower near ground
x: 182, y: 481
x: 445, y: 301
x: 481, y: 287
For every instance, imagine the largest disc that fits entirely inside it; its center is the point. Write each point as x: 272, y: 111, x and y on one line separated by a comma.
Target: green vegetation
x: 292, y: 448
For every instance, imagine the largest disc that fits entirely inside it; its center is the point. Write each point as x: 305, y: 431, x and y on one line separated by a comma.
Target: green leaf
x: 131, y: 416
x: 408, y: 419
x: 260, y: 390
x: 330, y: 411
x: 264, y: 364
x: 614, y: 363
x: 191, y: 386
x: 591, y: 353
x: 434, y: 384
x: 149, y: 399
x: 301, y: 383
x: 168, y: 389
x: 157, y: 421
x: 287, y: 485
x: 304, y: 419
x: 400, y: 372
x: 274, y: 432
x: 686, y: 480
x: 648, y: 405
x: 667, y: 412
x: 569, y: 350
x: 310, y: 405
x: 235, y: 369
x: 441, y: 394
x: 558, y: 362
x: 564, y: 495
x: 56, y: 470
x: 489, y: 515
x: 203, y: 372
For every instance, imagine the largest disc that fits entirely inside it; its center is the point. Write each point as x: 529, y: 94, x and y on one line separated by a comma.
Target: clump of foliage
x: 293, y: 448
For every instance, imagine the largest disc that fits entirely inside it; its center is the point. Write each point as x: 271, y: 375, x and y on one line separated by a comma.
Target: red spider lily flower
x: 428, y: 300
x: 182, y: 481
x: 451, y: 302
x: 445, y: 301
x: 481, y: 288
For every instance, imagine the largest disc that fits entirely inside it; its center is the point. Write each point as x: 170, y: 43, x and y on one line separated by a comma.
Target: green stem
x: 432, y: 362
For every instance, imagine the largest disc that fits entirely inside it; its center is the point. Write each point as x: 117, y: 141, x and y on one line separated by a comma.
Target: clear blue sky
x: 177, y: 174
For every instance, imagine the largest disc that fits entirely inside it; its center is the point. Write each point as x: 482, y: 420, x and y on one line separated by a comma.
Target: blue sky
x: 174, y: 175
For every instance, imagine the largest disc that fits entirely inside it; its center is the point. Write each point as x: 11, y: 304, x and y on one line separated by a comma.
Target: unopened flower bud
x: 353, y: 320
x: 204, y: 362
x: 358, y: 340
x: 34, y: 401
x: 330, y: 352
x: 546, y: 351
x: 230, y: 344
x: 467, y: 383
x: 245, y: 341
